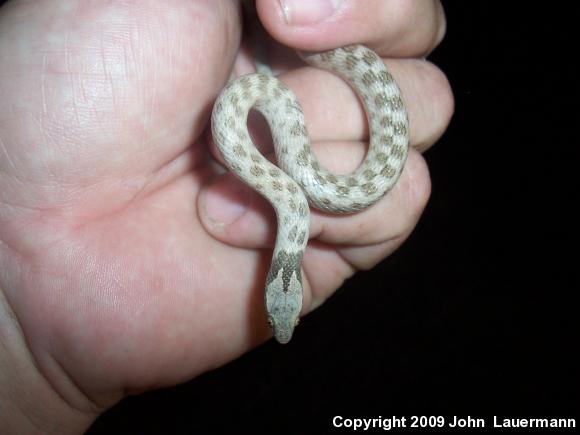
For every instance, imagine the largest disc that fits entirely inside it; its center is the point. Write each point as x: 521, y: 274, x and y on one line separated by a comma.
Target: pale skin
x: 127, y: 258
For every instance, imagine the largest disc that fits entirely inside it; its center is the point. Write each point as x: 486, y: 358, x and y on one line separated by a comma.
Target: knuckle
x: 441, y: 25
x: 415, y: 190
x: 403, y: 206
x: 375, y: 238
x: 418, y: 25
x: 437, y: 114
x: 403, y: 11
x: 443, y: 95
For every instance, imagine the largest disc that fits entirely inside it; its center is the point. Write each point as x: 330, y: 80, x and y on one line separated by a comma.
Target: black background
x: 475, y: 314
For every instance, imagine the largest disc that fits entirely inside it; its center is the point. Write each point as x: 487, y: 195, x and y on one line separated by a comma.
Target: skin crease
x: 112, y: 273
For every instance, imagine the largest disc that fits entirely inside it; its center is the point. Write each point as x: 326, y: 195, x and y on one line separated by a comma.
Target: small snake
x: 300, y: 179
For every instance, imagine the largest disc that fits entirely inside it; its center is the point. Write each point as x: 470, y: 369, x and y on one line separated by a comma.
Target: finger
x: 238, y: 216
x: 395, y: 28
x: 394, y: 215
x: 326, y: 267
x: 334, y: 112
x: 324, y: 270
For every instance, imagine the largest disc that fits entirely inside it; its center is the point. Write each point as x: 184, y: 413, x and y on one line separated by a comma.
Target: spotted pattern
x: 300, y: 180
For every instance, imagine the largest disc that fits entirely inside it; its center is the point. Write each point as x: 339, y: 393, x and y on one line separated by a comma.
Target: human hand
x: 128, y: 260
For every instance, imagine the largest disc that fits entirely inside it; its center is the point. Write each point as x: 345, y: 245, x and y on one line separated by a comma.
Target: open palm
x: 103, y: 159
x: 109, y: 264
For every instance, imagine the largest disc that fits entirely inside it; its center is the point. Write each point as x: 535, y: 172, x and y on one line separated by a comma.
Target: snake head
x: 284, y: 303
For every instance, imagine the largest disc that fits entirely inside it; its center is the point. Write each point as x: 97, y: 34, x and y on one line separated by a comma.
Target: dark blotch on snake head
x: 284, y: 295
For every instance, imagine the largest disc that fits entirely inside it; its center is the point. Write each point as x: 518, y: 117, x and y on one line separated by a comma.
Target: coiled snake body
x: 300, y: 179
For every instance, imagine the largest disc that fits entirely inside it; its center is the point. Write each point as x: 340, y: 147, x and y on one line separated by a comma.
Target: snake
x: 299, y: 181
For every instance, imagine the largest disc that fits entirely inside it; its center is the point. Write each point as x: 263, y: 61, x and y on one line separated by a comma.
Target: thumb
x: 303, y: 25
x: 300, y: 13
x: 394, y: 28
x: 233, y: 213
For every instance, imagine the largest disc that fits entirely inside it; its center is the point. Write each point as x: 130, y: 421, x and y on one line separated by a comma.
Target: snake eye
x: 270, y: 322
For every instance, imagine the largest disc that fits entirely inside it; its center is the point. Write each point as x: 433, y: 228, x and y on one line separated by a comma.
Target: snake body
x: 299, y: 180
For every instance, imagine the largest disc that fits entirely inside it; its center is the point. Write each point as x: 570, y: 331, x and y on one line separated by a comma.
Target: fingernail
x: 225, y: 201
x: 308, y: 11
